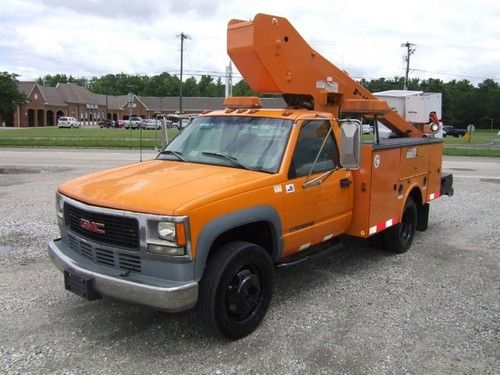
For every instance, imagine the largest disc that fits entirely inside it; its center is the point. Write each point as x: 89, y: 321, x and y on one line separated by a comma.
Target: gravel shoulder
x: 359, y: 310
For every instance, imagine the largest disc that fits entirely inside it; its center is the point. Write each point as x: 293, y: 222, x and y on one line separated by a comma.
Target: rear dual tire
x: 399, y: 237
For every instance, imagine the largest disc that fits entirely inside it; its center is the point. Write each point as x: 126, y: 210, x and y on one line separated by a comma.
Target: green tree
x: 163, y: 85
x: 206, y: 86
x: 52, y: 80
x: 10, y: 96
x: 458, y: 103
x: 190, y: 87
x: 220, y: 88
x: 488, y: 103
x: 104, y: 85
x: 384, y: 84
x: 242, y: 89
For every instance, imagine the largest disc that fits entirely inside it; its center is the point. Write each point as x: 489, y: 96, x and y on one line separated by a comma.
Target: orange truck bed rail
x: 273, y: 58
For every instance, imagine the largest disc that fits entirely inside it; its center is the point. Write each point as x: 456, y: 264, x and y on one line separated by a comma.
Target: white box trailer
x: 414, y: 106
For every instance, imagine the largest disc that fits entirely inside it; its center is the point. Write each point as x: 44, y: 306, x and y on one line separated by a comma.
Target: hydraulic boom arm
x: 273, y: 58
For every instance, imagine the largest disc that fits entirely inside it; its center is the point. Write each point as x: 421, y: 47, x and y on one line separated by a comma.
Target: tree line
x: 463, y: 103
x: 163, y: 84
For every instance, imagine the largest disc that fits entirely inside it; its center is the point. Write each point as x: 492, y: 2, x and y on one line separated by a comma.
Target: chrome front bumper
x: 159, y: 294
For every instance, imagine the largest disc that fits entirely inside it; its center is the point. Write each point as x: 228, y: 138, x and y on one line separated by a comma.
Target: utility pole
x: 182, y: 36
x: 229, y: 80
x: 130, y: 100
x: 410, y: 50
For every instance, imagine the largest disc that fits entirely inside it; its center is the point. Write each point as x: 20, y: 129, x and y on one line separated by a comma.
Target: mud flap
x: 423, y: 217
x: 446, y: 184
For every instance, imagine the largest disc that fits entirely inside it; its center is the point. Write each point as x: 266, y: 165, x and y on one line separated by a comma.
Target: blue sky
x: 454, y: 39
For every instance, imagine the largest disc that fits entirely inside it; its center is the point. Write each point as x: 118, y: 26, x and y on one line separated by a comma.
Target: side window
x: 311, y: 137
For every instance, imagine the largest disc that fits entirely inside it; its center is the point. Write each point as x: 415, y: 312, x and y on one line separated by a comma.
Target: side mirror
x: 350, y: 143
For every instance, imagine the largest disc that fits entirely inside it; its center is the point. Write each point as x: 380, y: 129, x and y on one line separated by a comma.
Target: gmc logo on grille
x: 92, y: 226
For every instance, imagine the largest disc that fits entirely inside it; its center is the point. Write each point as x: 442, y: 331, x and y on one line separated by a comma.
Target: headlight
x: 167, y: 237
x: 166, y: 231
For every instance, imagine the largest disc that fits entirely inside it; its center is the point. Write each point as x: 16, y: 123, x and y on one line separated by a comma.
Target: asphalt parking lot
x: 359, y: 310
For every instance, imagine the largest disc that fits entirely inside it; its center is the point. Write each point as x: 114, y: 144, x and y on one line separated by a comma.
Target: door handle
x: 345, y: 183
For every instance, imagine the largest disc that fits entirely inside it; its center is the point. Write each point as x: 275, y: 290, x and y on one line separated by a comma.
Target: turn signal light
x: 180, y: 229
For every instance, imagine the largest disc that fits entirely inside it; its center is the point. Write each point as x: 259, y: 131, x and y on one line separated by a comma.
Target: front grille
x: 86, y: 250
x: 118, y: 230
x: 107, y: 257
x: 129, y: 262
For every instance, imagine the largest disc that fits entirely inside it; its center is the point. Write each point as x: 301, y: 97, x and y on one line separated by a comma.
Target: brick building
x: 46, y: 104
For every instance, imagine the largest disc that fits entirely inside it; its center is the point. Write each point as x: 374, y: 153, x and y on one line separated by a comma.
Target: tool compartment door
x: 384, y: 202
x: 414, y: 161
x: 376, y: 203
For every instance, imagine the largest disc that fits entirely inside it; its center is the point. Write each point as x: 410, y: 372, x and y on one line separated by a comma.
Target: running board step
x: 306, y: 255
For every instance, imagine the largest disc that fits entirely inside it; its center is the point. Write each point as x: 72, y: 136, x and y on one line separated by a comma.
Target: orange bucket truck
x: 243, y: 190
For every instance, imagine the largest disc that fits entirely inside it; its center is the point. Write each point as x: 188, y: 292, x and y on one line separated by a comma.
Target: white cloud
x: 455, y: 39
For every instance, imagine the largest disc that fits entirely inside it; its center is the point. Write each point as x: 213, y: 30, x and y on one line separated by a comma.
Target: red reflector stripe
x: 383, y: 225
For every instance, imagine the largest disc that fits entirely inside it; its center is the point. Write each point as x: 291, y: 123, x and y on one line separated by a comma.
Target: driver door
x: 318, y: 193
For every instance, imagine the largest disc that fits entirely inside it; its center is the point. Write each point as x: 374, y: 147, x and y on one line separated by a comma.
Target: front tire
x: 399, y: 237
x: 236, y: 289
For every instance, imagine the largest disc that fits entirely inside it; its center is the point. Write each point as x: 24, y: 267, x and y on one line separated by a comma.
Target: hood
x: 162, y: 186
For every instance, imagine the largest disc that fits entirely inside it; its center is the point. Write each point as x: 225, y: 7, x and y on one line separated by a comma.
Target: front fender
x: 216, y: 227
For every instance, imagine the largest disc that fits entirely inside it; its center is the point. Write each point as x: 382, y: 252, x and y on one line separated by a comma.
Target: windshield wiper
x: 231, y: 159
x: 175, y: 153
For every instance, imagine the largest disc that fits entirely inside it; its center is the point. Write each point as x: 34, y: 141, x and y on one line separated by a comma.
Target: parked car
x: 179, y: 121
x: 367, y: 129
x: 67, y: 122
x: 106, y: 124
x: 120, y: 124
x: 451, y: 131
x: 133, y: 123
x: 151, y: 124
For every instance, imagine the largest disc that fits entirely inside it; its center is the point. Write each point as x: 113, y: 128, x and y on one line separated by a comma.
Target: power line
x: 458, y: 46
x: 453, y: 74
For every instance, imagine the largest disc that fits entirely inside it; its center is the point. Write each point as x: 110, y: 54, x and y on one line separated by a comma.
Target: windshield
x: 255, y: 143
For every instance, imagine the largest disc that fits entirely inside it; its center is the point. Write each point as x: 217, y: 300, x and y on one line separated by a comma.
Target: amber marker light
x: 180, y: 230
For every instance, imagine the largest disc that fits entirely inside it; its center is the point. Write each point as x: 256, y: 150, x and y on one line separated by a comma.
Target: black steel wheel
x: 236, y: 289
x: 399, y: 237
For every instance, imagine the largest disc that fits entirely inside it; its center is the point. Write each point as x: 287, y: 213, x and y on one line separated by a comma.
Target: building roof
x: 70, y: 93
x: 52, y: 96
x: 73, y: 93
x: 115, y: 102
x: 26, y: 87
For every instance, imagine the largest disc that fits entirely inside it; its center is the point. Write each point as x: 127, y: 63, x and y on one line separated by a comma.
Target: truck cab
x: 269, y: 181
